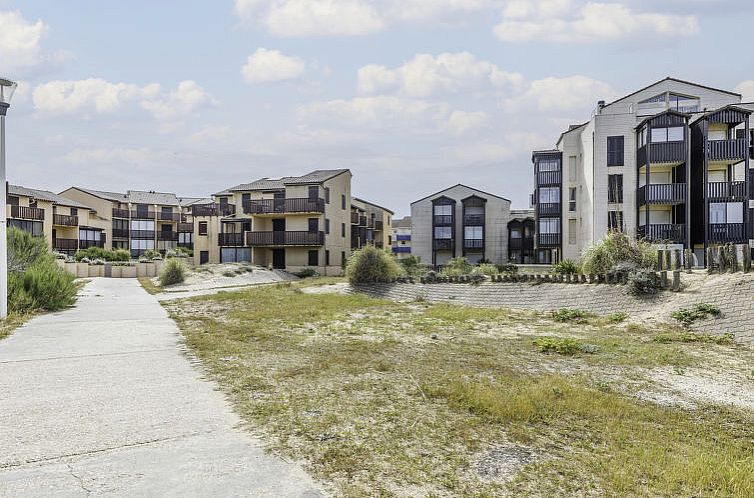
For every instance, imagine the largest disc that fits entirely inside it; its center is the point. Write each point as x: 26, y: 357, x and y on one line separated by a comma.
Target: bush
x: 562, y: 346
x: 306, y: 273
x: 151, y: 255
x: 456, y: 267
x: 616, y: 248
x: 369, y: 265
x: 24, y: 250
x: 698, y: 311
x: 413, y: 267
x: 173, y: 273
x: 507, y: 268
x: 565, y: 267
x: 92, y: 253
x: 643, y: 282
x: 617, y: 317
x: 570, y: 315
x: 487, y: 269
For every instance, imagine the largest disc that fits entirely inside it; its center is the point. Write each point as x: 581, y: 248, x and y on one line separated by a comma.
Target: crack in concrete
x: 52, y: 358
x: 79, y: 479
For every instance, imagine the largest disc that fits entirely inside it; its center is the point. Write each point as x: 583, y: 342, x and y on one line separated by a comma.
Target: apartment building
x: 669, y: 163
x: 460, y: 221
x: 290, y: 223
x: 521, y: 236
x: 67, y: 225
x: 370, y: 224
x: 139, y: 220
x: 401, y: 230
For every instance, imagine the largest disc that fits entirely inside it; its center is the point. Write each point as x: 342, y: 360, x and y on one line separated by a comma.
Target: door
x: 278, y: 231
x: 279, y: 202
x: 278, y: 259
x: 203, y: 257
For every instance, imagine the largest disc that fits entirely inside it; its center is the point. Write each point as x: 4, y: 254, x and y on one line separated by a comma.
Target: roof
x: 152, y: 197
x: 191, y: 201
x: 666, y: 111
x: 316, y: 176
x: 108, y: 196
x: 569, y: 130
x: 46, y: 195
x: 522, y: 214
x: 734, y: 107
x: 464, y: 186
x: 404, y: 222
x: 669, y: 78
x: 373, y: 204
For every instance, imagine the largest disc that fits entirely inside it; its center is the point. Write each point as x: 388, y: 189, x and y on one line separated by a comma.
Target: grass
x: 12, y: 322
x: 149, y: 286
x: 384, y: 399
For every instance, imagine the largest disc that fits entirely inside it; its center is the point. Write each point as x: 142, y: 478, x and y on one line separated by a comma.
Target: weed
x: 618, y: 317
x: 570, y: 315
x: 697, y: 312
x: 558, y: 345
x: 684, y: 336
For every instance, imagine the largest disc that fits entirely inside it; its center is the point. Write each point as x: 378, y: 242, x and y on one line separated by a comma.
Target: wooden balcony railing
x: 354, y: 218
x: 120, y: 213
x: 667, y: 152
x: 548, y: 208
x: 27, y: 213
x: 169, y: 216
x: 66, y: 245
x: 142, y: 234
x: 185, y: 227
x: 548, y: 239
x: 282, y: 206
x: 285, y: 238
x: 663, y: 232
x: 370, y: 222
x: 728, y: 150
x: 120, y: 233
x: 379, y: 225
x: 362, y: 221
x: 65, y: 220
x: 213, y: 210
x: 166, y: 236
x: 143, y: 215
x: 726, y: 191
x: 231, y: 239
x: 728, y: 233
x: 443, y: 244
x: 662, y: 193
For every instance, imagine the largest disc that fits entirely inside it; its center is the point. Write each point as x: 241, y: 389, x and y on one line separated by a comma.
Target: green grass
x: 380, y: 398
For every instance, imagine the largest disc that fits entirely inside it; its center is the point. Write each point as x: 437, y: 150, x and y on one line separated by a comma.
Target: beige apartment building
x: 370, y: 224
x: 67, y: 224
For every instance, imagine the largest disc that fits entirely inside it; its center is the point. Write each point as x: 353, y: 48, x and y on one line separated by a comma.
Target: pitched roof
x: 669, y: 78
x: 152, y: 197
x: 404, y: 222
x: 316, y: 176
x: 108, y: 196
x: 520, y: 214
x: 464, y: 186
x: 191, y: 201
x: 666, y: 111
x: 46, y: 195
x: 373, y: 204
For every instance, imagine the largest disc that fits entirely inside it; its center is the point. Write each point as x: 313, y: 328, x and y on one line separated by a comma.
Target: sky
x: 414, y: 96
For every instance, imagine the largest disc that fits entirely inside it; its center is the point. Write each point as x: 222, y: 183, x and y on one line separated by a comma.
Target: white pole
x: 3, y: 225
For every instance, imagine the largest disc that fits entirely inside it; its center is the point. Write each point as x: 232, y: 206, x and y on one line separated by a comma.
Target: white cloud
x: 460, y: 122
x: 426, y: 75
x: 104, y: 155
x: 267, y: 66
x: 568, y: 21
x: 20, y: 41
x: 96, y: 95
x: 746, y: 89
x: 562, y: 94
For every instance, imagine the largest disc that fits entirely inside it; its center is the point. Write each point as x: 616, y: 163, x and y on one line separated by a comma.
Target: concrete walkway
x: 101, y: 400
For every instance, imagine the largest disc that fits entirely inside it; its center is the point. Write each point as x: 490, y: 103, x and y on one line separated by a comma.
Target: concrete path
x: 101, y: 400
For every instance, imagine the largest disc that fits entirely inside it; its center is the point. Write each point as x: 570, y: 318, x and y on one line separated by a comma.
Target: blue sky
x: 412, y: 95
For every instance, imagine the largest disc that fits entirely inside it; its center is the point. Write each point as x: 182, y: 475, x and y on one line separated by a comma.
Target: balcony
x: 662, y: 152
x: 354, y: 218
x: 548, y: 178
x: 67, y: 245
x: 85, y: 244
x: 362, y: 221
x: 27, y: 213
x: 379, y: 226
x: 443, y: 219
x: 475, y: 220
x: 169, y: 216
x: 548, y: 209
x: 285, y: 238
x: 443, y: 244
x: 284, y: 206
x: 370, y: 223
x: 143, y: 215
x: 142, y: 234
x: 213, y: 210
x: 473, y: 244
x: 662, y: 193
x: 521, y: 243
x: 548, y: 239
x: 120, y: 233
x: 65, y: 220
x: 663, y: 232
x: 402, y: 237
x: 231, y: 239
x: 402, y: 249
x: 167, y: 236
x: 728, y: 150
x: 120, y: 213
x: 728, y: 233
x: 726, y: 191
x: 185, y: 227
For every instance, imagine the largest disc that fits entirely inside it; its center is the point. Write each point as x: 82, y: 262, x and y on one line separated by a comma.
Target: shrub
x: 413, y: 267
x: 697, y: 312
x: 173, y: 273
x: 643, y: 282
x: 558, y: 345
x: 24, y: 250
x: 570, y: 315
x: 726, y: 338
x: 92, y: 253
x: 306, y: 273
x: 456, y: 267
x: 615, y: 248
x: 151, y: 254
x: 487, y: 269
x: 617, y: 317
x: 565, y: 267
x: 507, y: 268
x: 369, y: 265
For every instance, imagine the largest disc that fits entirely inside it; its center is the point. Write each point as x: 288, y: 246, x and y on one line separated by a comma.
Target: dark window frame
x: 615, y: 150
x: 203, y: 228
x: 313, y: 257
x: 615, y: 188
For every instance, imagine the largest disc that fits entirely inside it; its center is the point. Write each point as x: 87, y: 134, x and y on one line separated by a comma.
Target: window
x: 13, y: 200
x: 74, y: 212
x: 327, y: 226
x: 549, y: 225
x: 572, y: 199
x: 614, y: 188
x: 615, y: 151
x: 342, y: 229
x: 327, y: 195
x: 572, y: 174
x: 142, y: 225
x: 142, y: 244
x: 726, y: 212
x: 515, y: 233
x: 473, y: 233
x: 327, y: 258
x: 314, y: 258
x: 615, y: 221
x: 572, y: 227
x: 33, y: 227
x: 443, y: 210
x: 682, y: 103
x: 185, y: 238
x: 313, y: 193
x: 548, y: 165
x: 343, y: 201
x: 314, y: 225
x: 342, y: 257
x: 549, y: 195
x: 654, y: 100
x: 642, y: 137
x: 672, y: 134
x: 443, y: 232
x: 202, y: 228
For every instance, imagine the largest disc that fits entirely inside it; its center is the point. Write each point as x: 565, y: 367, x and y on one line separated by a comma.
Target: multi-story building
x: 521, y: 236
x: 67, y: 225
x: 460, y: 221
x: 290, y: 223
x: 402, y: 237
x: 669, y: 163
x: 370, y: 224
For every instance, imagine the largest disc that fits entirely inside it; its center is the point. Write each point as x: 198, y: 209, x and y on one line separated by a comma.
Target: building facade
x: 401, y: 230
x: 370, y: 224
x: 521, y: 237
x: 669, y: 163
x: 460, y: 221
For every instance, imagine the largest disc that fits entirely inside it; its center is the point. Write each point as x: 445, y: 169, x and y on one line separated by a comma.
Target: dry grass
x: 149, y: 285
x: 12, y: 322
x: 380, y: 398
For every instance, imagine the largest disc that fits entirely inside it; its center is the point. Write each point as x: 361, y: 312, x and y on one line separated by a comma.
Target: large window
x: 142, y: 225
x: 549, y: 195
x: 549, y: 225
x: 682, y: 103
x: 89, y: 235
x: 443, y: 210
x: 615, y: 151
x: 614, y: 188
x: 185, y: 238
x: 549, y: 165
x: 33, y: 227
x: 314, y: 258
x: 142, y: 244
x: 473, y: 233
x: 443, y: 232
x: 672, y: 134
x: 615, y: 221
x: 726, y: 212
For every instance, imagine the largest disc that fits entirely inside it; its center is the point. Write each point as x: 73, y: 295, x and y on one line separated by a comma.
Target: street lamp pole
x: 7, y: 88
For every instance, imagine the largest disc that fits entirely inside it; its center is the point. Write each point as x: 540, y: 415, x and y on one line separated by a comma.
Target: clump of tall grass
x: 370, y: 265
x: 173, y: 273
x: 617, y: 248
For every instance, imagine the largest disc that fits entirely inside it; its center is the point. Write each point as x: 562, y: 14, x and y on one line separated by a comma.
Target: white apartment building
x: 401, y: 237
x: 669, y: 163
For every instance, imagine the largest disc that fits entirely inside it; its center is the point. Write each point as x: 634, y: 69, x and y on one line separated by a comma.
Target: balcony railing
x: 169, y: 216
x: 662, y: 193
x: 231, y: 239
x: 166, y: 236
x: 143, y: 215
x: 185, y: 227
x: 726, y: 191
x: 548, y: 239
x: 379, y: 226
x: 443, y: 219
x: 66, y: 245
x: 521, y: 243
x: 443, y: 244
x: 728, y: 233
x: 662, y: 152
x: 27, y: 213
x: 473, y: 219
x: 354, y: 218
x: 548, y: 178
x: 548, y: 208
x: 65, y: 220
x: 362, y: 221
x: 120, y: 233
x: 213, y: 210
x: 728, y: 150
x: 473, y: 243
x: 120, y: 213
x: 285, y: 238
x: 663, y: 232
x: 85, y: 244
x: 370, y: 222
x: 142, y: 234
x: 281, y: 206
